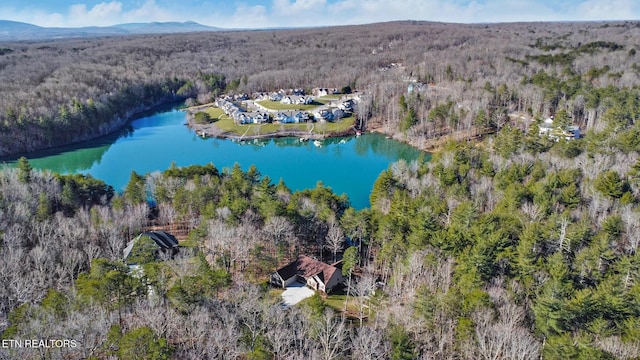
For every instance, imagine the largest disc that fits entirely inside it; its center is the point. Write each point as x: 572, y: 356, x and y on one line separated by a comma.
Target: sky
x: 301, y: 13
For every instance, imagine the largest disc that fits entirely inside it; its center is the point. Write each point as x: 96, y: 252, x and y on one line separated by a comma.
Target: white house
x: 346, y: 105
x: 275, y: 96
x: 323, y: 115
x: 303, y: 100
x: 251, y: 118
x: 324, y: 91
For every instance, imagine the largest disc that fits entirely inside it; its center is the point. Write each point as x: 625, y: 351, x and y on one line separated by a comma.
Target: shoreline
x: 114, y: 126
x: 430, y: 145
x: 212, y: 130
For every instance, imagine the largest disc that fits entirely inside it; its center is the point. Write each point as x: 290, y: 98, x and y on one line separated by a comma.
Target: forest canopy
x: 515, y: 244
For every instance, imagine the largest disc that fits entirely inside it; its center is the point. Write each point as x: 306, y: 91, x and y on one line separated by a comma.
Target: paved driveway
x: 295, y: 293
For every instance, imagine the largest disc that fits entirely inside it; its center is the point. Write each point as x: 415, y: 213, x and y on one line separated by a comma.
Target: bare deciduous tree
x: 334, y: 238
x: 364, y: 289
x: 330, y: 333
x: 280, y: 230
x: 368, y: 343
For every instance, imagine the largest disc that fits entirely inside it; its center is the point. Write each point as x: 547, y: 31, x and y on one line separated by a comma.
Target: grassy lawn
x: 226, y: 124
x: 336, y: 302
x: 331, y: 97
x: 216, y: 113
x: 341, y: 125
x: 276, y: 105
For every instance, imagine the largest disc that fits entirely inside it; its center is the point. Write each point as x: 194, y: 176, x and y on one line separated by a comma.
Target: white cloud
x: 150, y: 12
x: 608, y: 10
x: 363, y: 11
x: 297, y: 7
x: 102, y: 14
x: 31, y: 15
x: 244, y: 17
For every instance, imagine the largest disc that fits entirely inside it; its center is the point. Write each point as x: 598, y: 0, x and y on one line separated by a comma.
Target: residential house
x: 220, y: 102
x: 163, y: 242
x: 315, y: 274
x: 304, y: 100
x: 228, y: 107
x: 275, y: 96
x: 241, y: 97
x: 283, y: 117
x: 556, y: 132
x: 346, y: 105
x: 337, y: 114
x: 323, y: 115
x: 324, y: 91
x: 301, y: 116
x: 253, y: 117
x: 291, y: 117
x: 296, y: 99
x: 260, y: 95
x: 261, y: 118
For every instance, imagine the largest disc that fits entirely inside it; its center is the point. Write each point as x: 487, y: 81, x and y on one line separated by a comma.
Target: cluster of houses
x: 240, y: 116
x: 286, y: 99
x: 229, y: 104
x: 324, y: 91
x: 557, y: 132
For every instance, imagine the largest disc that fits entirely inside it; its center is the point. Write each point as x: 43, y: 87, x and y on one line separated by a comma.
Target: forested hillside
x: 62, y: 91
x: 516, y: 246
x: 510, y: 246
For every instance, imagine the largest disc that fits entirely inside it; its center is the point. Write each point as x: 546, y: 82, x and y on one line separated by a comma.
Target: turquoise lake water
x: 152, y: 143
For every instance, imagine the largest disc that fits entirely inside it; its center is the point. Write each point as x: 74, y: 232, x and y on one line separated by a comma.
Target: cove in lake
x: 154, y: 142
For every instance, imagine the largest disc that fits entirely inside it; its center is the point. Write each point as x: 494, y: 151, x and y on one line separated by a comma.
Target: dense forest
x: 478, y: 76
x: 509, y: 246
x: 513, y: 247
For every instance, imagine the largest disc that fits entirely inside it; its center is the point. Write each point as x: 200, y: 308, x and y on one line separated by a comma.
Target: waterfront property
x: 291, y: 117
x: 253, y: 117
x: 286, y: 107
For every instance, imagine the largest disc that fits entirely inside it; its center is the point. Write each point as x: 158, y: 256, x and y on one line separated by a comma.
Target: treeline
x: 478, y: 75
x: 62, y: 242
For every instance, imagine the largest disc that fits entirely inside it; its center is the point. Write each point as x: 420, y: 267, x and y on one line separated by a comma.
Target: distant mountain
x: 16, y: 31
x: 164, y: 27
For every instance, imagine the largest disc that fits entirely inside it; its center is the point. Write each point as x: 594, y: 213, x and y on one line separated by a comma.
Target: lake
x: 151, y: 143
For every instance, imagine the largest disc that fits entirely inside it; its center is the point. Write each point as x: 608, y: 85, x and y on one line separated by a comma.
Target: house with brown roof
x: 316, y: 274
